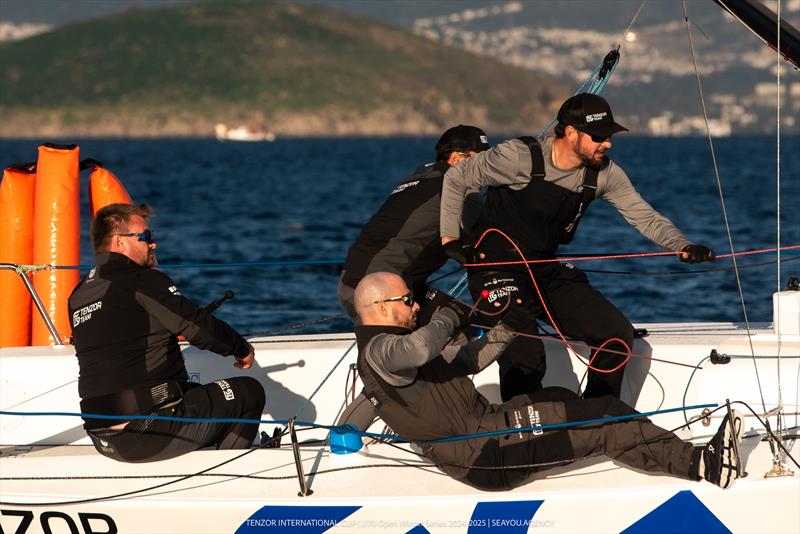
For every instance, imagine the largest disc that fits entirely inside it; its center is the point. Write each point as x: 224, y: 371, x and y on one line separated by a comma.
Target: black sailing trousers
x: 511, y: 460
x: 149, y: 440
x: 580, y: 312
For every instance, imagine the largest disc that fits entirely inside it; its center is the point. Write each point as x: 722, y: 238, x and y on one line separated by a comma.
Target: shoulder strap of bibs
x: 537, y: 158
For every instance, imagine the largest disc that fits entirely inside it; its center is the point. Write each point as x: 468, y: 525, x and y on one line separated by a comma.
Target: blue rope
x: 276, y: 263
x: 569, y: 424
x: 592, y: 85
x: 350, y: 430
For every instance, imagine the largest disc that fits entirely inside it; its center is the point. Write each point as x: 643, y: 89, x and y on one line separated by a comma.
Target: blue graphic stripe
x: 683, y: 512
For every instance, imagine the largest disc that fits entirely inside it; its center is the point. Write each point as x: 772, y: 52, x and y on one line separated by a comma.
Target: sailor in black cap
x: 537, y: 194
x: 402, y: 237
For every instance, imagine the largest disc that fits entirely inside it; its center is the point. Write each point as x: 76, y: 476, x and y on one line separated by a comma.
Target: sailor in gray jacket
x: 419, y: 381
x: 537, y: 194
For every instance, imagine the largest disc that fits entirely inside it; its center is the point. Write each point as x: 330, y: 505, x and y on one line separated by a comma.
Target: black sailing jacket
x: 125, y: 322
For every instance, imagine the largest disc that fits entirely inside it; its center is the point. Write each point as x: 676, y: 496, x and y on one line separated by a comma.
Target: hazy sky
x: 399, y: 12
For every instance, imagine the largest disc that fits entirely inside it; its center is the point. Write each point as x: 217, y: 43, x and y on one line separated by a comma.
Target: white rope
x: 722, y: 202
x: 630, y: 24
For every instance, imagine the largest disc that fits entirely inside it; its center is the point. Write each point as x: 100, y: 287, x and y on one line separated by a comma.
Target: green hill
x: 301, y: 69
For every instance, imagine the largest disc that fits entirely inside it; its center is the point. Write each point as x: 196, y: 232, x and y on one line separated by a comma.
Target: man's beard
x: 591, y: 162
x: 151, y: 260
x: 412, y: 322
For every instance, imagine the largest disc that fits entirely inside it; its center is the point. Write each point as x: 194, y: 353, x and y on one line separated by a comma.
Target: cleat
x: 720, y: 455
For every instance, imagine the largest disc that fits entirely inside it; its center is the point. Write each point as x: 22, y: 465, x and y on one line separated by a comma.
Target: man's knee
x: 615, y: 326
x: 254, y: 392
x: 245, y: 391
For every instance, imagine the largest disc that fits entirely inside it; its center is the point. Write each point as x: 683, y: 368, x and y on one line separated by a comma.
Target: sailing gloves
x: 522, y: 317
x: 460, y: 252
x: 461, y: 312
x: 696, y: 254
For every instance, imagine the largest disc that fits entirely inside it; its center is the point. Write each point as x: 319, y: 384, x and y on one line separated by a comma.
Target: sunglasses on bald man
x: 407, y: 299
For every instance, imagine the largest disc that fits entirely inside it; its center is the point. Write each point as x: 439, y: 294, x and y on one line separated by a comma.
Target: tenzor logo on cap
x: 595, y: 116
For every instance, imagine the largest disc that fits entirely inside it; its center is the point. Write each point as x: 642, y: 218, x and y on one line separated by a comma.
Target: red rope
x: 747, y: 253
x: 550, y: 317
x: 610, y: 256
x: 551, y: 339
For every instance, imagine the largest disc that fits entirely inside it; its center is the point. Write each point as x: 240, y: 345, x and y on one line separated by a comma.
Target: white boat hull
x: 47, y: 459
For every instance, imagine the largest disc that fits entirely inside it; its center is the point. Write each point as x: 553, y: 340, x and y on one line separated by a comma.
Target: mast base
x: 778, y: 470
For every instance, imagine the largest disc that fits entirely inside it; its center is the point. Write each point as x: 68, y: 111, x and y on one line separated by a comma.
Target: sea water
x: 306, y: 200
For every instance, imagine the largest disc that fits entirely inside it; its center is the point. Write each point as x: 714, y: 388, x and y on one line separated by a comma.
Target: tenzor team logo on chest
x: 85, y: 313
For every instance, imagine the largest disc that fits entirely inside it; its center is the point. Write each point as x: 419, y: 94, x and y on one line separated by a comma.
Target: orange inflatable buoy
x: 105, y: 189
x: 56, y: 236
x: 16, y: 246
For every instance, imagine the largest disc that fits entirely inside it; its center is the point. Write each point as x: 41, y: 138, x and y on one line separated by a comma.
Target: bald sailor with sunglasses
x: 419, y: 380
x: 537, y: 195
x: 126, y: 318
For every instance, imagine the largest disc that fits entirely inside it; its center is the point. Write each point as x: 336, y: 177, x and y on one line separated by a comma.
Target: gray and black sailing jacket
x: 402, y: 237
x: 421, y: 386
x: 509, y: 165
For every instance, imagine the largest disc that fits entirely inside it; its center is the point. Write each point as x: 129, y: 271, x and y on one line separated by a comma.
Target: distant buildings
x: 16, y: 32
x: 732, y: 113
x: 655, y: 73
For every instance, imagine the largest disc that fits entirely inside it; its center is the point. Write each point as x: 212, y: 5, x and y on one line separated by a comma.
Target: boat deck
x: 45, y: 460
x: 381, y: 488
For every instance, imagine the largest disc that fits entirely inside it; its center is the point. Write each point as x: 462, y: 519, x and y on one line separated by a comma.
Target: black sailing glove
x: 461, y: 311
x: 459, y: 251
x: 696, y: 254
x: 522, y: 317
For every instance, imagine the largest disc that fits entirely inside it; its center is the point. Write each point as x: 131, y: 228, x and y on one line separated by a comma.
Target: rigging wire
x: 132, y: 492
x: 308, y: 400
x: 633, y: 19
x: 296, y: 326
x: 722, y: 200
x: 778, y: 424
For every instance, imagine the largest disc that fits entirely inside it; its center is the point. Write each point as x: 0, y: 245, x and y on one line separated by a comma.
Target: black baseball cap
x: 462, y: 138
x: 590, y: 114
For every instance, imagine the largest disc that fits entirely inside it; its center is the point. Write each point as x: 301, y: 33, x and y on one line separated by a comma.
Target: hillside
x: 301, y: 69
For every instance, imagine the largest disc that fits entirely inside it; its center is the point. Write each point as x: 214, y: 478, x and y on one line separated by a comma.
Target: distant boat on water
x: 253, y: 132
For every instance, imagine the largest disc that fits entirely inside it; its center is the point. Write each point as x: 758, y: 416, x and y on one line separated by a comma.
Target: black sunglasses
x: 408, y: 299
x: 597, y: 138
x: 146, y: 236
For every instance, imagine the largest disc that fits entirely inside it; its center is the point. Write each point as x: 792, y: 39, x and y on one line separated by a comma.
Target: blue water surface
x: 306, y: 199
